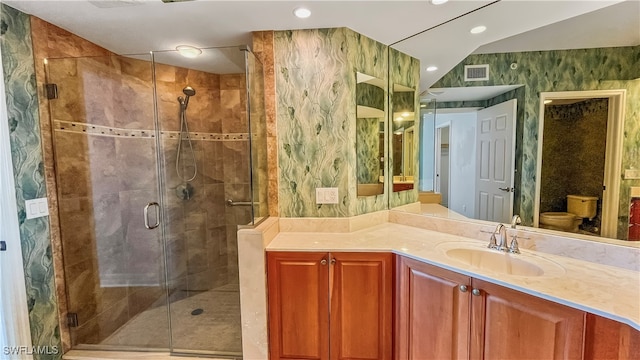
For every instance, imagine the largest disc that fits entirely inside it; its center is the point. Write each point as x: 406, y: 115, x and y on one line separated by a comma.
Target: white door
x: 15, y: 338
x: 496, y: 162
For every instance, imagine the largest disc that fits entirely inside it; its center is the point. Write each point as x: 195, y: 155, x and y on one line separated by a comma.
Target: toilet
x: 578, y: 208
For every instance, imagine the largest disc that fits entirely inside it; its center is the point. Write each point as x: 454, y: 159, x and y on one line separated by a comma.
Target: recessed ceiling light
x: 549, y: 101
x: 432, y: 68
x: 478, y: 29
x: 188, y: 51
x: 302, y: 13
x: 438, y: 2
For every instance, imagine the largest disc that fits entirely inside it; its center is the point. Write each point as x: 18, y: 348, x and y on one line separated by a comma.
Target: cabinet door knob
x: 476, y: 292
x: 323, y: 262
x: 333, y: 261
x: 463, y: 288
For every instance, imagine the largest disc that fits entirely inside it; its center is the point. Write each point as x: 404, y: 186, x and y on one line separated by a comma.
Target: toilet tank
x: 582, y: 206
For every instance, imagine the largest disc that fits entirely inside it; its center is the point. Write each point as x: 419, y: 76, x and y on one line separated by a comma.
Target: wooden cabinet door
x: 609, y: 339
x: 432, y: 312
x: 361, y: 296
x: 508, y: 324
x: 298, y: 305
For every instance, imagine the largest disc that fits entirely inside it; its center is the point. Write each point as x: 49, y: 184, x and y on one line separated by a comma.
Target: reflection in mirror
x: 426, y: 154
x: 529, y: 69
x: 370, y: 124
x: 404, y: 137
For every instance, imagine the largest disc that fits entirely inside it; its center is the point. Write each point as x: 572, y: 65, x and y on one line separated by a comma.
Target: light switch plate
x: 36, y: 208
x: 326, y: 195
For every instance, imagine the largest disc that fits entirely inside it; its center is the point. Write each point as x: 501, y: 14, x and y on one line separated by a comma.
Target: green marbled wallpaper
x: 22, y: 111
x: 562, y: 70
x: 370, y: 95
x: 404, y: 101
x: 316, y: 118
x: 405, y: 70
x: 368, y: 150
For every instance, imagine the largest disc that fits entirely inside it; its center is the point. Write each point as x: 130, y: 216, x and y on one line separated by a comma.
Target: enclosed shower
x: 144, y: 187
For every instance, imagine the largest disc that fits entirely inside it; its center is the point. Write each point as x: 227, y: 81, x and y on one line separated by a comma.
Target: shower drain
x: 197, y: 312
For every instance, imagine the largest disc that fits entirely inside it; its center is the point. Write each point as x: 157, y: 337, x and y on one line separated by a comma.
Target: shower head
x: 188, y: 91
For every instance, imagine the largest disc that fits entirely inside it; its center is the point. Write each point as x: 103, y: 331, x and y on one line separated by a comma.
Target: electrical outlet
x: 326, y: 195
x: 630, y: 174
x: 36, y: 208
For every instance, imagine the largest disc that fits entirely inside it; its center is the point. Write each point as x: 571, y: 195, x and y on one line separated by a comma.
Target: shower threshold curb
x: 129, y: 355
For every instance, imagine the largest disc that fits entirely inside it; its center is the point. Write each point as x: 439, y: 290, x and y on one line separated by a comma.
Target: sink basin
x: 510, y: 264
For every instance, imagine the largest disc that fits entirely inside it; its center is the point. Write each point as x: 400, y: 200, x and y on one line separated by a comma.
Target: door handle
x: 508, y: 189
x: 3, y: 245
x: 146, y: 215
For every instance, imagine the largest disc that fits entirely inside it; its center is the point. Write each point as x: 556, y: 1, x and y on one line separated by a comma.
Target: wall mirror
x: 518, y: 75
x: 370, y: 134
x: 403, y: 137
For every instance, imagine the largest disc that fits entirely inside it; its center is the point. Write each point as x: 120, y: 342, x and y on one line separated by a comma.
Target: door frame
x: 613, y: 153
x: 13, y: 294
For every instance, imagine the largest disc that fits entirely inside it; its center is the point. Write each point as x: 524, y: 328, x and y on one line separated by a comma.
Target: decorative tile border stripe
x: 99, y: 130
x: 76, y: 127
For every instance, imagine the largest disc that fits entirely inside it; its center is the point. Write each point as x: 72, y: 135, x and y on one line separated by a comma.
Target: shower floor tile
x: 216, y: 329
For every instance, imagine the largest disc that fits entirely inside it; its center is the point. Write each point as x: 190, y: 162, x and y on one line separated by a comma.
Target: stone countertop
x: 604, y: 290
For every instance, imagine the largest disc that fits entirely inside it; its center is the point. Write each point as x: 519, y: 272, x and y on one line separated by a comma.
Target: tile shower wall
x: 564, y: 70
x: 573, y: 154
x: 207, y: 256
x: 22, y: 111
x: 315, y: 91
x: 263, y: 48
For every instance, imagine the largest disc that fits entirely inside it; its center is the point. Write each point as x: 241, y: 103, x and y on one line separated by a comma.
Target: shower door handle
x: 146, y: 215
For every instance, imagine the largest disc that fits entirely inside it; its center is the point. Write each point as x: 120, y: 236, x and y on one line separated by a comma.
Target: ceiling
x: 139, y: 26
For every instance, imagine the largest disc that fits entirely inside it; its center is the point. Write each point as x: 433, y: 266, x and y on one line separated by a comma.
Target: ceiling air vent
x: 476, y: 72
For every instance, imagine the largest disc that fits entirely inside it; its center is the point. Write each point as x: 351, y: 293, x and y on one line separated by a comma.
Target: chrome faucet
x: 515, y: 220
x: 501, y: 230
x: 502, y: 243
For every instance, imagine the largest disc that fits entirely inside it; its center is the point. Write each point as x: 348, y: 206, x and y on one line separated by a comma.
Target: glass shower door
x: 102, y: 119
x: 204, y: 126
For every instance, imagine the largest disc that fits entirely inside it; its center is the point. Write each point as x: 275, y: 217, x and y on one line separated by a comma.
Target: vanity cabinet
x: 508, y: 324
x: 432, y: 314
x: 609, y: 339
x: 443, y: 314
x: 330, y: 305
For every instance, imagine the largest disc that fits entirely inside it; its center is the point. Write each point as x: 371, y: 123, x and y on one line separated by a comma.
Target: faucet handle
x: 513, y: 248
